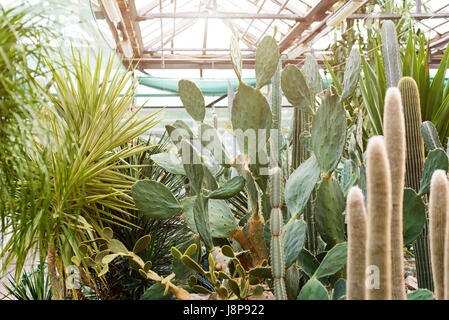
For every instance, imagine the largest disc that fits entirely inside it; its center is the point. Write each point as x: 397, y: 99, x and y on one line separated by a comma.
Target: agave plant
x: 34, y: 285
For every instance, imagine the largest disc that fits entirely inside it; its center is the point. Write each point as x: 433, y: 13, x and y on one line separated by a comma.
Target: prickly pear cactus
x: 329, y: 132
x: 192, y: 99
x: 267, y: 58
x: 295, y: 88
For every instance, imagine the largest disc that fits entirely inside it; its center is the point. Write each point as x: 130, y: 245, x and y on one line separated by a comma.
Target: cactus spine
x: 438, y: 210
x: 356, y: 245
x: 413, y: 171
x: 394, y: 133
x: 379, y: 219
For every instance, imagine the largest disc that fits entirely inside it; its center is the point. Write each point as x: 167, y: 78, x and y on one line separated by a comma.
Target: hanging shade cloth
x: 208, y: 86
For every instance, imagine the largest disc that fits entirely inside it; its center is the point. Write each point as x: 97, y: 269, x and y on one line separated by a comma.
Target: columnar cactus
x: 379, y: 219
x: 356, y: 245
x: 394, y: 133
x: 413, y: 170
x: 438, y: 210
x: 276, y: 223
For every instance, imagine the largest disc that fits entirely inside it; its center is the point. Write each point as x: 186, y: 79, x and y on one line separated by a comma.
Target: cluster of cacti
x: 328, y: 137
x: 239, y: 283
x: 395, y: 216
x: 106, y: 249
x: 377, y: 242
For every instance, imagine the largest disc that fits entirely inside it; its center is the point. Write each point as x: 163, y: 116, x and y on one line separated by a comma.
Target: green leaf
x: 330, y: 205
x: 420, y: 294
x: 414, y: 215
x: 176, y: 253
x: 250, y: 110
x: 307, y: 263
x: 313, y: 290
x: 436, y: 159
x: 192, y: 99
x: 339, y: 291
x: 117, y: 246
x: 221, y: 219
x: 236, y: 55
x: 142, y: 243
x: 391, y: 52
x: 211, y: 140
x: 293, y: 237
x: 156, y: 292
x: 312, y: 75
x: 107, y: 259
x: 201, y: 218
x: 329, y: 132
x: 295, y: 88
x: 108, y: 233
x: 352, y: 73
x: 229, y: 189
x: 155, y: 200
x: 334, y: 260
x: 430, y: 136
x: 192, y: 264
x: 267, y: 58
x: 193, y: 165
x: 227, y: 251
x: 300, y: 185
x: 261, y: 272
x: 233, y: 285
x: 169, y: 162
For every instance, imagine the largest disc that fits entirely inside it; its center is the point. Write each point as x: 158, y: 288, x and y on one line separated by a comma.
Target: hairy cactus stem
x: 357, y: 251
x: 438, y: 210
x: 379, y: 221
x: 394, y: 133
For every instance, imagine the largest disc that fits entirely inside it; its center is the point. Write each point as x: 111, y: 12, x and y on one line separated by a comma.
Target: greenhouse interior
x: 224, y: 150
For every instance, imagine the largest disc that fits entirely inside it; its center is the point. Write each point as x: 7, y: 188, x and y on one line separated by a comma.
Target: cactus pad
x: 267, y: 59
x: 155, y: 200
x: 192, y: 99
x: 329, y: 132
x: 295, y: 88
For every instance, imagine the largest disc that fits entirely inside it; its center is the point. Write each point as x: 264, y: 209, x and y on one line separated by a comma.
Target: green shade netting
x: 208, y: 86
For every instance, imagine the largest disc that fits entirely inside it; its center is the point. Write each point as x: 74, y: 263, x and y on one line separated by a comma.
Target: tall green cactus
x: 394, y: 133
x: 356, y: 266
x: 390, y: 48
x: 438, y: 210
x: 276, y: 223
x: 413, y: 171
x: 379, y: 219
